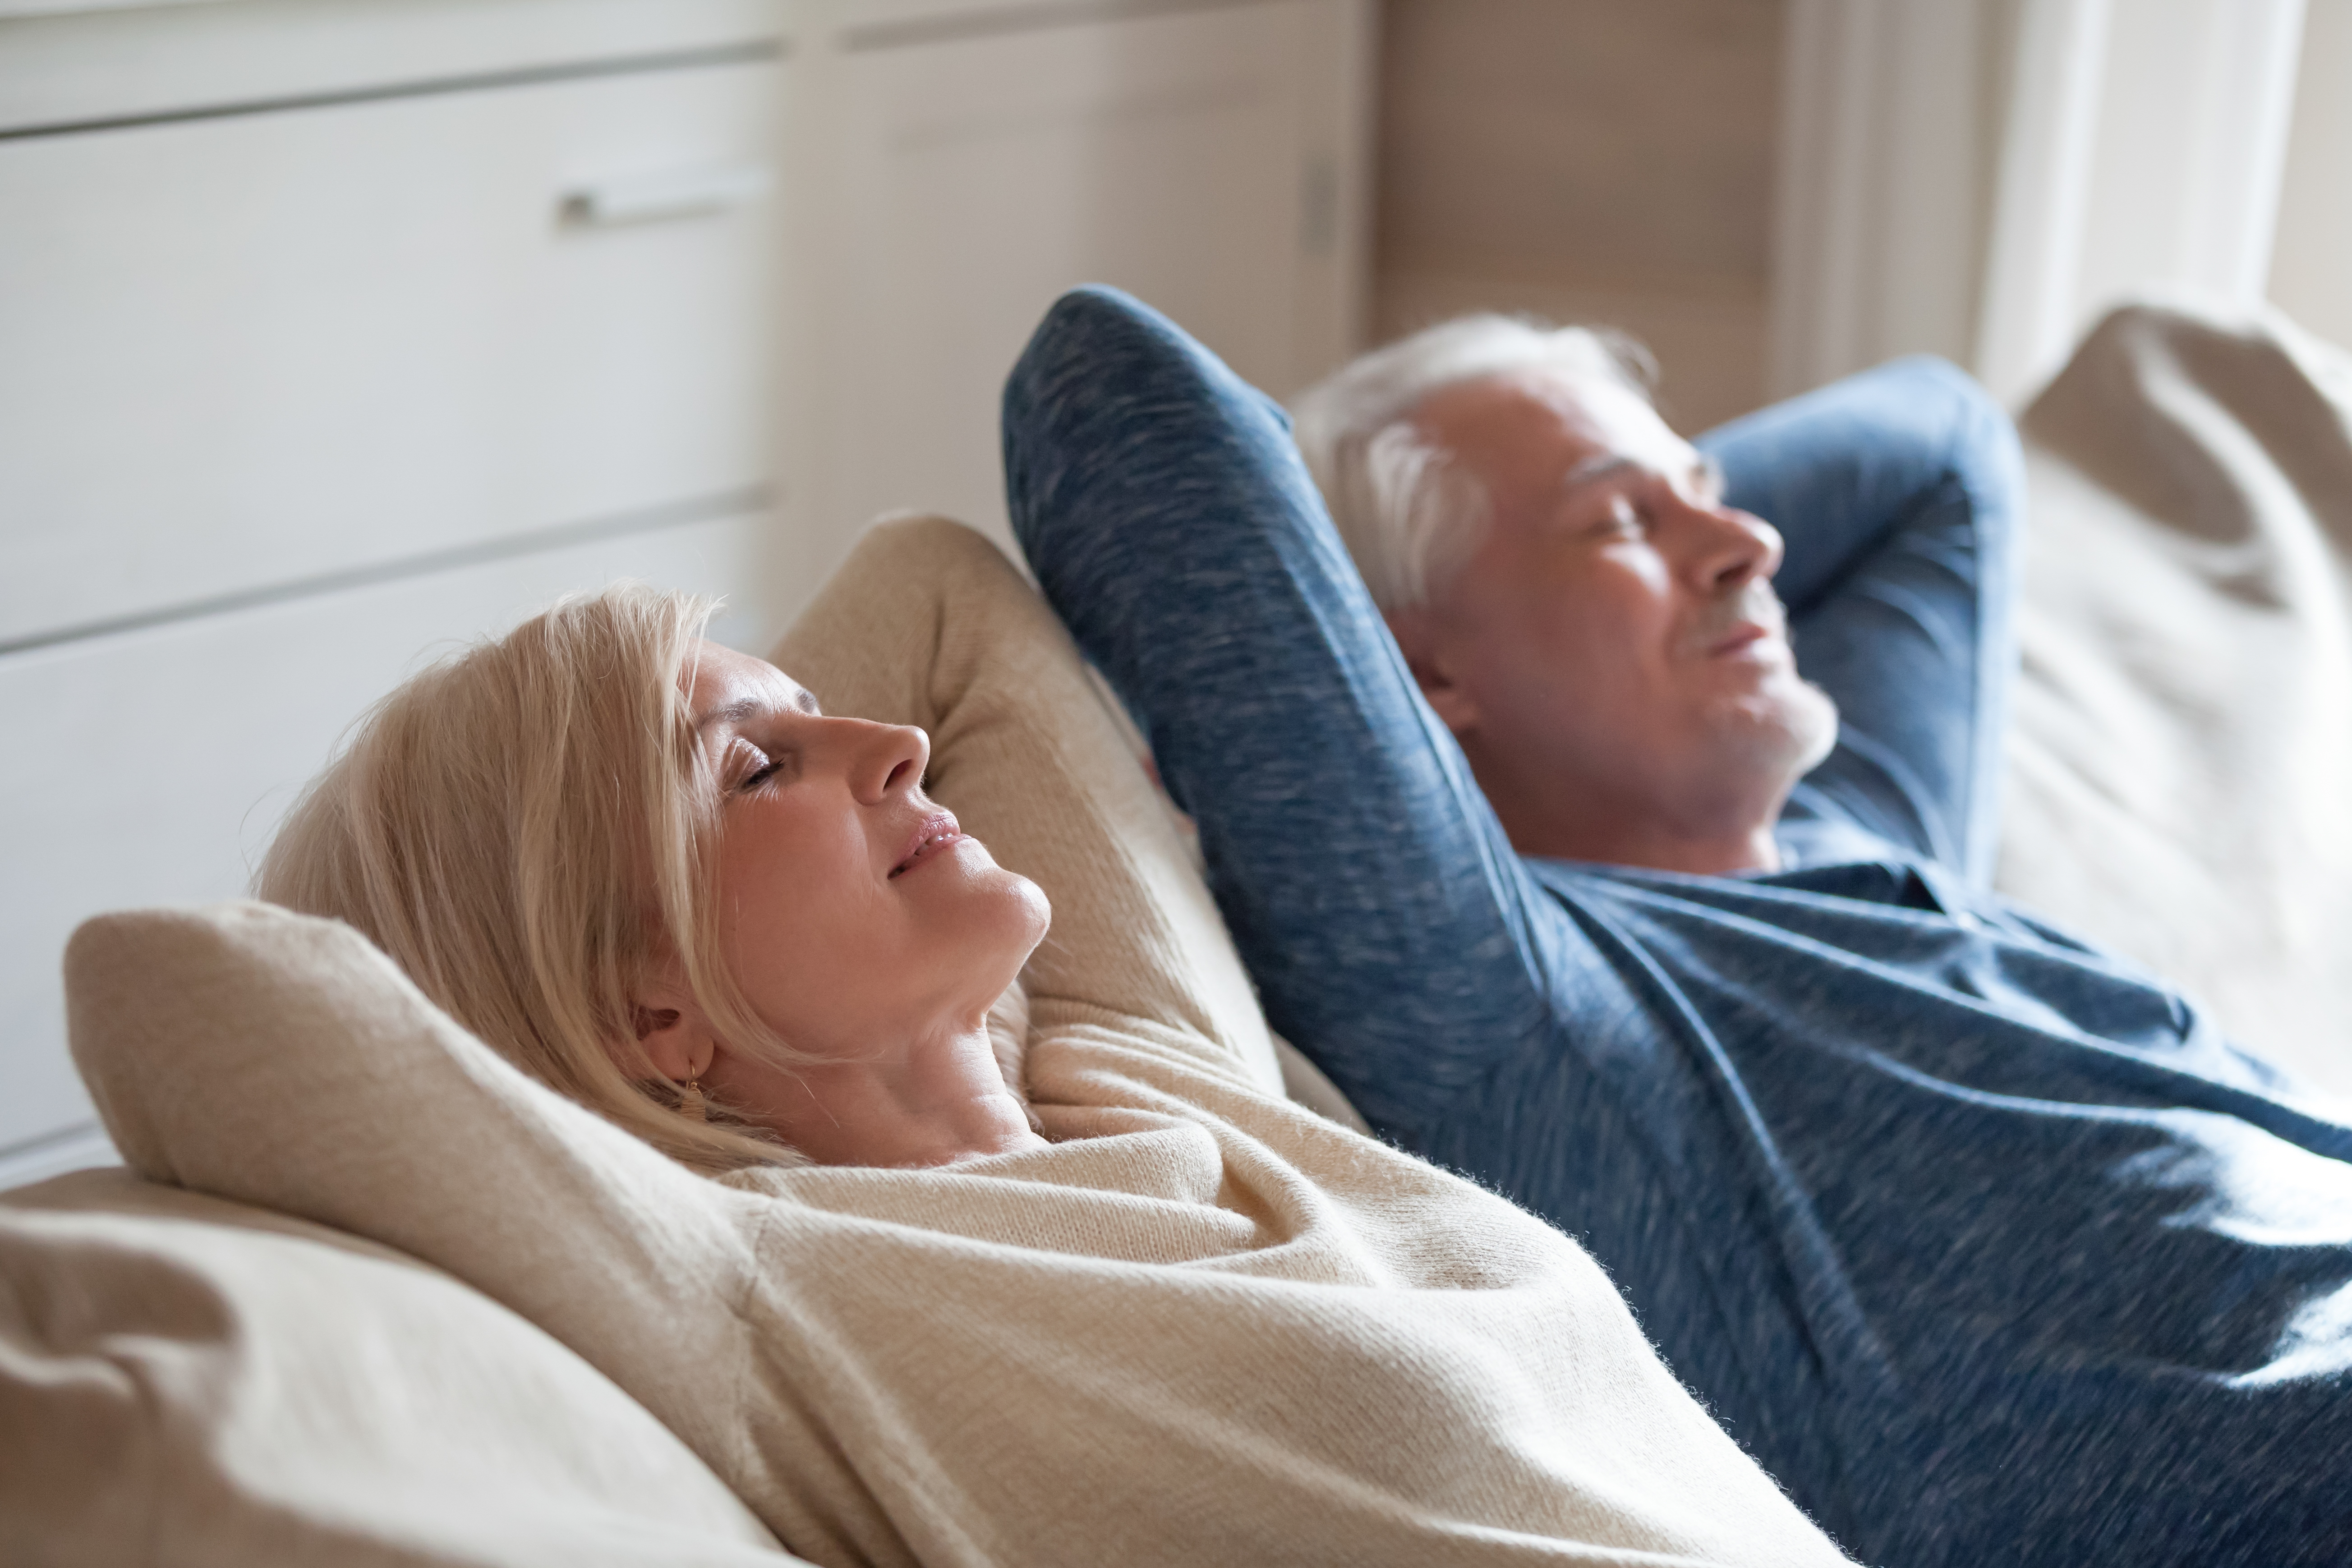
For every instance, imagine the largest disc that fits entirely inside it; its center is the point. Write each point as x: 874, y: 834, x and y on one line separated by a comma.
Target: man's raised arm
x: 1390, y: 930
x: 1899, y: 492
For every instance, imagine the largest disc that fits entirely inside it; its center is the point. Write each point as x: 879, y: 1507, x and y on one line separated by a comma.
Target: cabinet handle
x: 665, y: 194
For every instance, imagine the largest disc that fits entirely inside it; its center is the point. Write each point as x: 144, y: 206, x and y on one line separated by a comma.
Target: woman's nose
x: 891, y: 761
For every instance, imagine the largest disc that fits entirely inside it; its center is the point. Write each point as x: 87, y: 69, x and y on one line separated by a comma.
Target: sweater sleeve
x: 928, y: 623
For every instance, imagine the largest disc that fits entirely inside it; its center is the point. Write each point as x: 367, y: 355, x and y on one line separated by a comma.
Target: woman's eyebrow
x: 733, y: 712
x: 744, y: 708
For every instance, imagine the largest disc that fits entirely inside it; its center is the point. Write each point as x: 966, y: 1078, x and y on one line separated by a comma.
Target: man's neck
x: 1714, y: 837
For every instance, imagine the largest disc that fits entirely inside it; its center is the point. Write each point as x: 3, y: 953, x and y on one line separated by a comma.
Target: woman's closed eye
x: 766, y: 767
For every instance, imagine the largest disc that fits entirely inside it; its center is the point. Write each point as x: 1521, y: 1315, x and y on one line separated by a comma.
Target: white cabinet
x: 966, y: 163
x: 171, y: 59
x: 263, y: 348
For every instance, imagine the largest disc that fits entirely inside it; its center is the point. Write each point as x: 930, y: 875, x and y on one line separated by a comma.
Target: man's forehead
x: 1583, y: 424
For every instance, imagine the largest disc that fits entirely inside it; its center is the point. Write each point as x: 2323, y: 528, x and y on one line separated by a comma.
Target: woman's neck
x: 935, y: 1100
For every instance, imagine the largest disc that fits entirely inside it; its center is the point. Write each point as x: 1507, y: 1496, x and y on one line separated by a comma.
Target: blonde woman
x: 758, y: 916
x: 671, y: 885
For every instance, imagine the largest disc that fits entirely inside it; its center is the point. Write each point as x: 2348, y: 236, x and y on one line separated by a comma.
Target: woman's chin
x: 1028, y: 913
x: 991, y: 912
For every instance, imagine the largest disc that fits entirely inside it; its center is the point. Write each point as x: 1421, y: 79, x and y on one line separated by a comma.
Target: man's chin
x: 1813, y: 726
x: 1787, y: 729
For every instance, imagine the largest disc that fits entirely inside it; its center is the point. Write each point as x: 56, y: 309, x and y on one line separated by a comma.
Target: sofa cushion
x: 230, y: 1385
x: 2184, y: 709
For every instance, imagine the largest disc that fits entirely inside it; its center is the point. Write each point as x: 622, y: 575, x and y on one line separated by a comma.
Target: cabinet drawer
x: 74, y: 61
x: 152, y: 767
x: 262, y: 348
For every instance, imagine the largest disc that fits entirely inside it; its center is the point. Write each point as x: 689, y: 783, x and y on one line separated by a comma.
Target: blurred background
x: 333, y: 333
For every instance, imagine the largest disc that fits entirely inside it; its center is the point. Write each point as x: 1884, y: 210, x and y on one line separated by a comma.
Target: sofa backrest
x: 188, y: 1377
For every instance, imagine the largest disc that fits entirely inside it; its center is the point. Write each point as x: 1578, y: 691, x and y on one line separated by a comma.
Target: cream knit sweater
x: 1205, y: 1327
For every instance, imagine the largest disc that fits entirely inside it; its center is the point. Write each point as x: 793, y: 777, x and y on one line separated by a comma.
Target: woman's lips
x: 934, y: 833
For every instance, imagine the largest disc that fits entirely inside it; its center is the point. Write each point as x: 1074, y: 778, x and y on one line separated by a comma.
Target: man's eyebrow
x: 1703, y: 468
x: 1594, y: 468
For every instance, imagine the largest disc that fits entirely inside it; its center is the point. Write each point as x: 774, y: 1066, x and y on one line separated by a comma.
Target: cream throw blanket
x: 2181, y: 752
x: 1205, y: 1327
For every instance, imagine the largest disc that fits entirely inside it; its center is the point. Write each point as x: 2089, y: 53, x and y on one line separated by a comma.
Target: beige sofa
x: 185, y: 1379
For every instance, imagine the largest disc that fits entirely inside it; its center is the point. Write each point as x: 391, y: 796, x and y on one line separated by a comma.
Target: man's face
x: 1614, y: 641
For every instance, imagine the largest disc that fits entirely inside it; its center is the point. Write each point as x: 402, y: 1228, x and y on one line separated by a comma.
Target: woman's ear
x: 672, y: 1029
x: 1422, y: 642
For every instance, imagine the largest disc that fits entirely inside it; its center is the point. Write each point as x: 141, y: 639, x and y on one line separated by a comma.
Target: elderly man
x: 1986, y: 1246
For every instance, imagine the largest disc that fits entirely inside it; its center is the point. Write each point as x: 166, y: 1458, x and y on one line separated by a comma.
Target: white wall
x: 1885, y: 151
x: 2311, y: 263
x: 1985, y: 178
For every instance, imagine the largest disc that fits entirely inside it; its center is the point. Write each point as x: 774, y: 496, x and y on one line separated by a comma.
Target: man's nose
x: 889, y: 760
x: 1735, y: 547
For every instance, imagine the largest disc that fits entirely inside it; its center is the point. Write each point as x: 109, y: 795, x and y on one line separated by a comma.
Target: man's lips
x: 1738, y: 637
x: 1738, y: 623
x: 934, y: 833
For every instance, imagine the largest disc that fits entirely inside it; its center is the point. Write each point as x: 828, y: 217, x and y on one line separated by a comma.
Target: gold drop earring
x: 689, y: 1098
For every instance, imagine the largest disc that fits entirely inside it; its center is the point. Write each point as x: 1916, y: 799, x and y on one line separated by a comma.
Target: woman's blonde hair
x: 528, y: 828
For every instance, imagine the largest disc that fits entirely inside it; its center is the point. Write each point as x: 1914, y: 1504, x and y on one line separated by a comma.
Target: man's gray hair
x: 1410, y: 515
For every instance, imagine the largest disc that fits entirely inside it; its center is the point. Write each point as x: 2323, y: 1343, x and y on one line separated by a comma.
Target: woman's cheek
x: 766, y: 896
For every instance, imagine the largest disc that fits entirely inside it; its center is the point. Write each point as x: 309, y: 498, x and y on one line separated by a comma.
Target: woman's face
x: 855, y: 913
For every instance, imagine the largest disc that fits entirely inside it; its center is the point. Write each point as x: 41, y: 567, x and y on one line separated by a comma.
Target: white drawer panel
x: 893, y: 24
x: 262, y: 348
x: 138, y: 59
x: 150, y: 767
